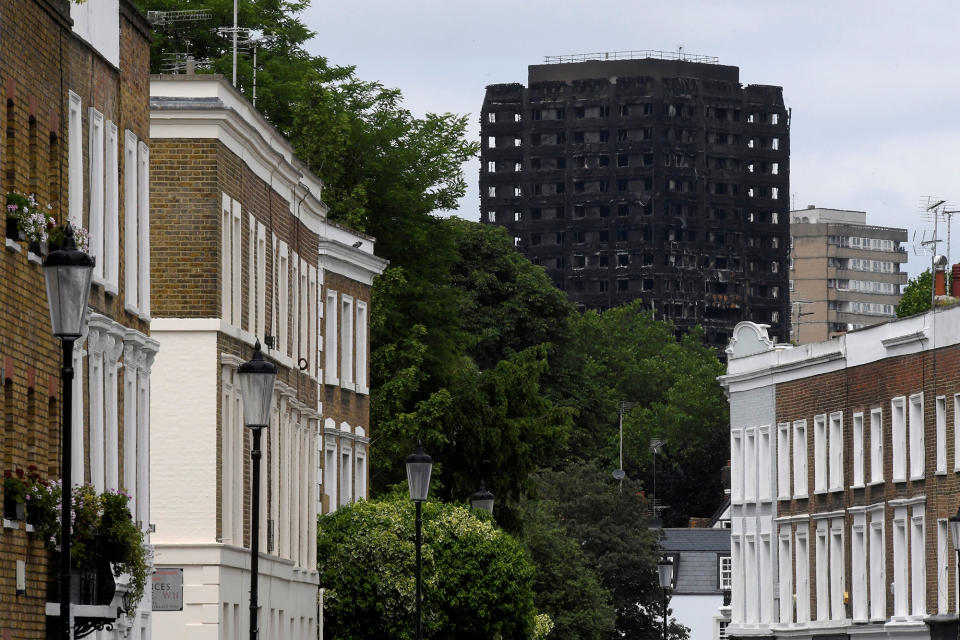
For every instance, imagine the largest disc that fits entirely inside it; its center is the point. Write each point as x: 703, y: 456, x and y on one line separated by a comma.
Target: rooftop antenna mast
x: 934, y: 208
x: 948, y: 214
x: 619, y: 474
x: 172, y: 22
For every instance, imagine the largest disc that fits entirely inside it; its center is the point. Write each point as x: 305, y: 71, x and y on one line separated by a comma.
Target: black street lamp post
x: 482, y: 499
x: 419, y: 466
x: 257, y: 378
x: 68, y: 273
x: 665, y: 569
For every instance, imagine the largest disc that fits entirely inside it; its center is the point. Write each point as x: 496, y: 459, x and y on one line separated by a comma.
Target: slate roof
x: 697, y: 553
x: 675, y: 540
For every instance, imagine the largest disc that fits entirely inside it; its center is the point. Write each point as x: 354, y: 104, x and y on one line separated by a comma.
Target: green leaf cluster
x: 476, y: 579
x: 916, y: 295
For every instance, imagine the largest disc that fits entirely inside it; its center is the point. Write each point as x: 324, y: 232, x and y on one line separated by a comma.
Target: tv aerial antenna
x: 172, y: 23
x: 248, y: 40
x: 934, y: 208
x: 656, y: 448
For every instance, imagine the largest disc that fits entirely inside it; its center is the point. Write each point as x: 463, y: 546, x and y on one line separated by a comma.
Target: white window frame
x: 226, y: 259
x: 304, y: 304
x: 750, y: 471
x: 143, y: 230
x: 876, y: 445
x: 261, y: 268
x: 858, y: 440
x: 725, y: 572
x: 915, y: 428
x: 330, y: 337
x: 835, y: 444
x: 785, y: 574
x: 943, y: 566
x: 312, y: 325
x: 346, y: 342
x: 803, y: 573
x: 918, y: 562
x: 820, y: 453
x: 95, y: 165
x: 111, y: 227
x: 783, y: 461
x: 330, y: 476
x: 764, y: 470
x: 858, y: 568
x: 941, y: 422
x: 800, y: 472
x: 360, y: 482
x: 837, y: 581
x: 236, y: 259
x: 283, y: 297
x: 822, y: 558
x: 901, y: 571
x: 360, y: 329
x: 898, y: 430
x: 878, y: 566
x: 252, y: 292
x: 346, y: 474
x: 736, y: 466
x: 956, y: 443
x: 75, y: 160
x: 130, y: 213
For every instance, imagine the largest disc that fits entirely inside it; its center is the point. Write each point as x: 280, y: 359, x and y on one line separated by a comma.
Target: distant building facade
x: 844, y: 273
x: 654, y: 178
x: 702, y: 573
x: 845, y: 460
x: 73, y: 80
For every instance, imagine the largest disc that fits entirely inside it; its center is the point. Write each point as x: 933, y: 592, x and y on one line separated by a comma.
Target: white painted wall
x: 183, y: 437
x: 98, y: 22
x: 697, y: 613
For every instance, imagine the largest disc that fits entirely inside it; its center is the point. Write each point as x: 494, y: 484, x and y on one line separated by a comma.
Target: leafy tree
x: 565, y: 586
x: 487, y: 416
x: 916, y: 295
x: 476, y: 579
x: 282, y: 62
x: 623, y: 354
x: 609, y: 524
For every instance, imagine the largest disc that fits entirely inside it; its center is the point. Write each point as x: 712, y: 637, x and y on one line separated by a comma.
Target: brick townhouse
x: 73, y: 79
x: 845, y: 457
x: 242, y: 250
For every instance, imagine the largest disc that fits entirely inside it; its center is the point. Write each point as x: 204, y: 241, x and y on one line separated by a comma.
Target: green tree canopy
x: 916, y: 295
x: 623, y: 354
x: 477, y: 582
x: 609, y: 522
x: 565, y: 586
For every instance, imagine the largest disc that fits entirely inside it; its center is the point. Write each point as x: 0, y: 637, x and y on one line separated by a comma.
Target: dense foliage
x: 476, y: 579
x: 609, y: 522
x: 475, y: 352
x: 916, y: 295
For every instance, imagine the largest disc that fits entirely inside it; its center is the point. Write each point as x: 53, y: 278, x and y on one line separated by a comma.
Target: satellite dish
x: 619, y: 474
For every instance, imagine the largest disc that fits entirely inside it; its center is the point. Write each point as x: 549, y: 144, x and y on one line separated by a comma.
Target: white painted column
x: 227, y: 486
x: 130, y: 395
x: 143, y: 428
x: 275, y: 470
x: 112, y: 409
x: 96, y: 341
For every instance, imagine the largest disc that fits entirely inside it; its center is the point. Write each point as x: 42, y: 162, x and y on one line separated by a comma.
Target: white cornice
x: 349, y: 262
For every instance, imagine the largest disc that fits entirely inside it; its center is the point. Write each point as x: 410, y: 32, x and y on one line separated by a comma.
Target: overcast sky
x: 873, y: 86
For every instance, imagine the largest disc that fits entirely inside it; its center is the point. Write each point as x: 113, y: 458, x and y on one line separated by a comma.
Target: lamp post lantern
x: 482, y: 499
x: 257, y: 377
x: 419, y: 466
x: 665, y: 570
x: 68, y: 273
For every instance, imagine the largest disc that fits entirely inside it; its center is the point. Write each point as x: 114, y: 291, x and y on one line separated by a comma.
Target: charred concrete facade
x: 665, y: 180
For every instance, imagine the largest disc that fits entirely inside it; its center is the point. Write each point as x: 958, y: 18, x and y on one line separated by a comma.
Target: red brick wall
x: 40, y: 61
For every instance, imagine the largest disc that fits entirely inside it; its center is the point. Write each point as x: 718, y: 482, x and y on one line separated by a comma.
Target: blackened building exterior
x: 654, y: 178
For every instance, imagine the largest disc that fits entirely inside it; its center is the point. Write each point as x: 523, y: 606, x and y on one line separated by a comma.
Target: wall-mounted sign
x: 168, y: 589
